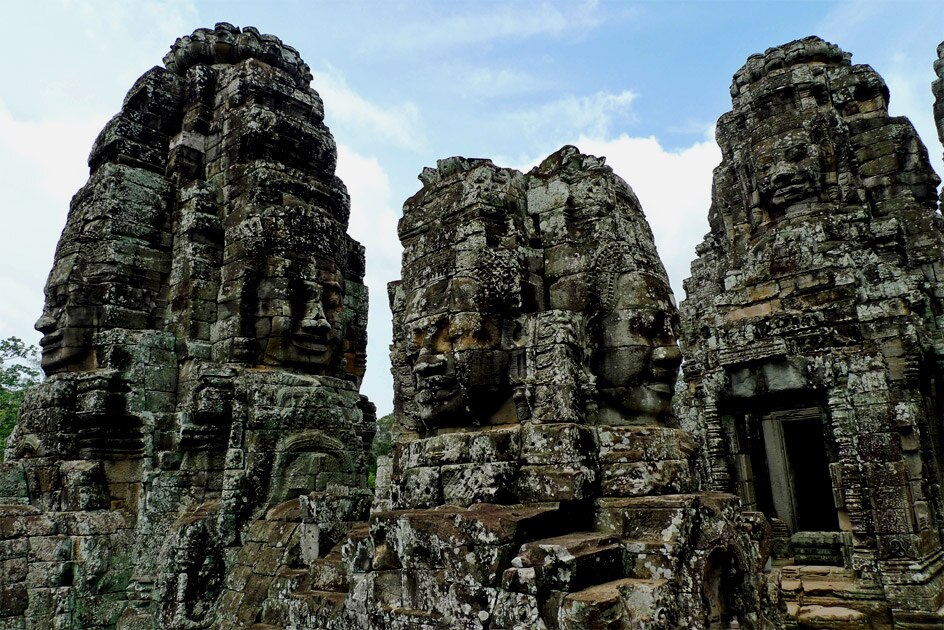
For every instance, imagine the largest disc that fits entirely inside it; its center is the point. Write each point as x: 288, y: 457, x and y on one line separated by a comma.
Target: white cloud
x: 572, y: 116
x: 357, y: 117
x: 487, y: 83
x: 15, y: 319
x: 694, y: 127
x: 848, y: 17
x: 44, y: 164
x: 499, y: 21
x: 104, y: 20
x: 374, y: 223
x: 91, y: 51
x: 67, y: 88
x: 57, y: 150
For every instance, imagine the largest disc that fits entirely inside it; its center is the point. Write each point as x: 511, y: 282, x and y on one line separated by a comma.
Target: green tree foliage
x: 379, y: 447
x: 19, y: 370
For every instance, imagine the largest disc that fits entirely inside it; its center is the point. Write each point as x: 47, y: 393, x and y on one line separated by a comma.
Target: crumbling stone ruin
x: 536, y: 462
x: 812, y: 338
x: 204, y: 339
x: 196, y: 456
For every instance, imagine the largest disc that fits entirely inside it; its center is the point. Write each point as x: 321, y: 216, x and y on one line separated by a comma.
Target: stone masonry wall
x: 817, y: 295
x: 204, y: 340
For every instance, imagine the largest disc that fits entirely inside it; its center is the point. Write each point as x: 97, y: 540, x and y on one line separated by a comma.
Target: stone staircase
x: 610, y: 563
x: 832, y: 597
x: 619, y: 567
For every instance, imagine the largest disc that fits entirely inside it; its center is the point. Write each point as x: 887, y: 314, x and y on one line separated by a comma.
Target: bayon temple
x: 571, y: 448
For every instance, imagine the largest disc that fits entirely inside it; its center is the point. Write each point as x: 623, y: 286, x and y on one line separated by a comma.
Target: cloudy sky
x: 405, y: 83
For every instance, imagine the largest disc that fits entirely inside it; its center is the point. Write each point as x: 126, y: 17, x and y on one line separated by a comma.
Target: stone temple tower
x: 204, y: 340
x: 812, y: 332
x: 538, y: 478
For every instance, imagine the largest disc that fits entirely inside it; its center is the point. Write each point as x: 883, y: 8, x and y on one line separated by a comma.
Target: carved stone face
x: 637, y: 360
x: 299, y: 321
x: 788, y: 169
x: 67, y: 324
x: 460, y: 373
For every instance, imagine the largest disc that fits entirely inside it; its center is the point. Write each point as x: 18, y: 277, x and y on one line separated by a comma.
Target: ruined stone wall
x: 195, y: 458
x: 538, y: 477
x: 816, y: 297
x: 204, y: 339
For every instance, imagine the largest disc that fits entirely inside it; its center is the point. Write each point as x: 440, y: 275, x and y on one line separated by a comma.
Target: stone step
x: 287, y: 579
x: 329, y: 602
x: 659, y: 517
x: 565, y: 563
x: 328, y: 574
x: 617, y: 605
x: 650, y: 559
x: 411, y: 619
x: 826, y: 581
x: 832, y: 597
x: 831, y: 618
x: 428, y: 539
x: 286, y: 511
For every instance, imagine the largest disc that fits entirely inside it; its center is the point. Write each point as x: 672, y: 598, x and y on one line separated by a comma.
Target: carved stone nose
x: 314, y: 325
x: 314, y: 320
x: 45, y: 323
x: 667, y: 356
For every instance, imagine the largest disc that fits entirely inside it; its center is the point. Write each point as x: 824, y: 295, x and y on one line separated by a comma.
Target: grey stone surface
x: 816, y: 302
x: 534, y: 361
x: 196, y: 457
x: 204, y: 339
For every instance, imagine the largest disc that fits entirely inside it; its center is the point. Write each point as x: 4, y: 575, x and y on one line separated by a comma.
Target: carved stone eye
x: 58, y: 298
x: 796, y: 153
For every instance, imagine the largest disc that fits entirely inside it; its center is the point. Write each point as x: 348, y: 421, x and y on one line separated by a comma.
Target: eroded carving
x: 204, y: 337
x: 811, y: 330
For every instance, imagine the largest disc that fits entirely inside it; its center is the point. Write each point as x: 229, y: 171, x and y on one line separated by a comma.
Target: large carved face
x: 299, y: 319
x: 460, y: 372
x: 71, y: 315
x: 788, y: 169
x: 636, y: 362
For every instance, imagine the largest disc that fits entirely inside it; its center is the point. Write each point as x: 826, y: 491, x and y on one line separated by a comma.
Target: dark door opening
x: 788, y: 473
x: 812, y: 487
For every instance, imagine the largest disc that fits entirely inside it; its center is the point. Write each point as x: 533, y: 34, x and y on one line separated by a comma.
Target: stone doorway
x: 798, y: 469
x: 781, y: 465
